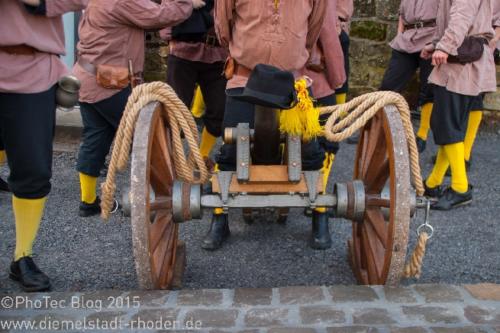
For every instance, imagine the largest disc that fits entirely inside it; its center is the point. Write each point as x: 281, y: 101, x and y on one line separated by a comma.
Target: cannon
x: 379, y: 200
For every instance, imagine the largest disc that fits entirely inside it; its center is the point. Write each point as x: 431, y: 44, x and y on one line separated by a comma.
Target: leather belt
x: 87, y: 66
x: 420, y: 25
x: 241, y: 70
x: 19, y: 49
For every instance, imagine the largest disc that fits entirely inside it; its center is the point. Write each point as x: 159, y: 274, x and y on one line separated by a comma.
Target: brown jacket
x: 112, y: 32
x: 279, y: 33
x: 457, y: 19
x: 328, y: 54
x: 43, y: 31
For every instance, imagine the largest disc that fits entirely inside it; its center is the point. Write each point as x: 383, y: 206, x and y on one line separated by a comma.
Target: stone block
x: 291, y: 330
x: 266, y: 317
x: 408, y: 330
x: 213, y: 318
x: 439, y: 293
x: 321, y: 314
x: 300, y: 295
x: 484, y: 291
x: 372, y: 316
x: 252, y: 297
x: 492, y: 101
x: 469, y: 329
x: 371, y: 30
x: 399, y: 295
x: 432, y: 314
x: 352, y: 294
x: 208, y: 297
x: 483, y: 315
x: 352, y: 329
x: 364, y: 8
x: 387, y: 9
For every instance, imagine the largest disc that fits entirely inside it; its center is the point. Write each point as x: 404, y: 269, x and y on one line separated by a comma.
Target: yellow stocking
x: 327, y: 167
x: 340, y: 98
x: 455, y: 154
x: 425, y: 121
x: 206, y: 143
x: 472, y: 128
x: 88, y: 186
x: 198, y: 107
x: 437, y: 175
x: 28, y: 214
x: 3, y: 157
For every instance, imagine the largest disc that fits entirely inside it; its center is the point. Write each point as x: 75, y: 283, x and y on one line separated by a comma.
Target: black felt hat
x: 268, y: 86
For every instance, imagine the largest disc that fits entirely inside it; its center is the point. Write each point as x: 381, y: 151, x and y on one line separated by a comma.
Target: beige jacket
x: 457, y: 19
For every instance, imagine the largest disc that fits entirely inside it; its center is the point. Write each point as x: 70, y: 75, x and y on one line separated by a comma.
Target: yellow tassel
x: 303, y: 118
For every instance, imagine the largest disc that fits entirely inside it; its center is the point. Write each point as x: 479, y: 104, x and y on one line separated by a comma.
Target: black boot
x: 4, y: 187
x: 320, y: 235
x: 28, y: 275
x: 87, y: 210
x: 217, y: 234
x: 451, y: 199
x: 433, y: 193
x: 421, y: 144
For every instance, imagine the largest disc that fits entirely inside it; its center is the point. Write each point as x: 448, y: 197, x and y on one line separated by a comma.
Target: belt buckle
x: 211, y: 41
x: 419, y: 25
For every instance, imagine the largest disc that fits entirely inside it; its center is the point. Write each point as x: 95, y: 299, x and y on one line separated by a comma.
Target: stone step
x: 415, y: 308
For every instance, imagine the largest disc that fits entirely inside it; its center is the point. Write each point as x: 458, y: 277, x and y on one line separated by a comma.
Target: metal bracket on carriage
x: 242, y: 152
x: 294, y: 158
x: 423, y: 202
x: 312, y: 181
x: 224, y: 179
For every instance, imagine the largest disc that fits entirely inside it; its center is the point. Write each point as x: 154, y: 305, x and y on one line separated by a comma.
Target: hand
x: 493, y: 43
x: 427, y: 51
x: 33, y: 3
x: 439, y: 57
x: 197, y: 4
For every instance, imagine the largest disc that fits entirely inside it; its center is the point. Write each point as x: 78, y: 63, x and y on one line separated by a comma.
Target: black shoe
x: 451, y: 199
x: 421, y: 144
x: 87, y: 210
x: 433, y: 193
x: 320, y: 235
x: 353, y: 139
x: 28, y: 275
x: 217, y: 234
x: 4, y: 187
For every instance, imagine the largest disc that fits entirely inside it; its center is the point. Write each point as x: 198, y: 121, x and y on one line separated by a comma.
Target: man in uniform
x: 458, y: 82
x: 31, y: 41
x: 112, y: 37
x: 416, y: 28
x: 198, y: 58
x: 277, y: 33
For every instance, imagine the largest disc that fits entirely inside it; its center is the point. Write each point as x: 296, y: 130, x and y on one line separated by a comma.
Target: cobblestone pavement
x: 86, y: 254
x: 423, y: 308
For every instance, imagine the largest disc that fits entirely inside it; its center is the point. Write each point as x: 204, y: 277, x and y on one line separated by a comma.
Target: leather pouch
x: 229, y: 68
x: 112, y: 77
x: 471, y: 50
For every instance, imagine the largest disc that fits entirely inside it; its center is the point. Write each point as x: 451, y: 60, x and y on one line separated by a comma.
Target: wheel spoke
x: 163, y: 140
x: 374, y: 143
x: 375, y: 218
x: 157, y: 230
x: 378, y: 175
x: 374, y: 254
x: 167, y: 269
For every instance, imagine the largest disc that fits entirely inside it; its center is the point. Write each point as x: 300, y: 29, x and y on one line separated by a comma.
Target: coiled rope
x: 181, y: 123
x: 353, y: 115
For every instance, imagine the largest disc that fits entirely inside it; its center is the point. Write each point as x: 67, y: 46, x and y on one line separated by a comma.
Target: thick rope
x: 352, y: 116
x: 360, y: 110
x: 191, y: 169
x: 413, y: 268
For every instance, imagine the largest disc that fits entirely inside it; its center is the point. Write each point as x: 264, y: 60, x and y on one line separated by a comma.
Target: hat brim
x: 260, y: 98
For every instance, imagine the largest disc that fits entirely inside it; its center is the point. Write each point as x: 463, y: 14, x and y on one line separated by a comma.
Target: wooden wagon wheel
x: 154, y: 234
x: 380, y: 240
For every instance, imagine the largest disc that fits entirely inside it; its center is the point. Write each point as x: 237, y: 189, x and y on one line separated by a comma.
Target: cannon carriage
x: 379, y: 200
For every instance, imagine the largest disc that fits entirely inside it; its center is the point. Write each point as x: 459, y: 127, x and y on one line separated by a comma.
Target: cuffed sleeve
x: 223, y: 16
x: 462, y: 14
x: 315, y: 23
x: 59, y: 7
x: 146, y: 14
